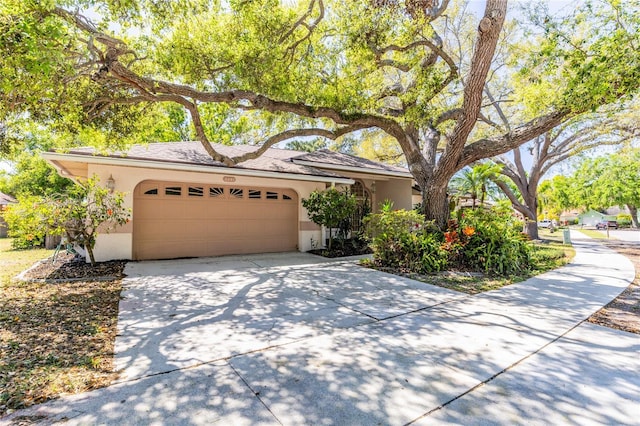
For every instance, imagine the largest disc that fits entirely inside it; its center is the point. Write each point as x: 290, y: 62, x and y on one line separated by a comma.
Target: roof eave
x: 128, y: 162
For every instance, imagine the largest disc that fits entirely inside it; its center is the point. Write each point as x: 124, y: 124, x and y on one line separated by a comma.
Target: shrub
x: 24, y: 222
x: 79, y: 214
x: 495, y: 244
x: 331, y: 208
x: 624, y: 220
x: 488, y: 241
x: 403, y: 239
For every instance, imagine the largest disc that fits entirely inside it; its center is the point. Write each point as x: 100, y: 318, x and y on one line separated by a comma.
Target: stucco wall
x: 119, y: 243
x: 396, y: 190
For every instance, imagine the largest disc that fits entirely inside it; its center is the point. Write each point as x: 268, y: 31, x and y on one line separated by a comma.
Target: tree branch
x: 490, y: 147
x: 488, y: 34
x: 288, y: 134
x: 514, y: 200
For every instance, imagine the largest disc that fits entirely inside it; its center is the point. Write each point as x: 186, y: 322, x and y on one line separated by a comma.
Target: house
x: 592, y: 217
x: 185, y: 204
x: 5, y: 200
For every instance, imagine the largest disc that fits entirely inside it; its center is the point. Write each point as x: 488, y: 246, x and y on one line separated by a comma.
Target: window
x: 285, y: 197
x: 254, y: 193
x: 196, y: 191
x: 153, y: 191
x: 216, y: 191
x: 236, y: 192
x: 173, y: 190
x: 358, y: 190
x: 272, y: 195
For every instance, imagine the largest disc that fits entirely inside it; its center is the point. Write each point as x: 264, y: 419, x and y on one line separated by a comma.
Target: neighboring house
x: 592, y: 217
x: 570, y: 216
x: 5, y: 200
x: 185, y: 204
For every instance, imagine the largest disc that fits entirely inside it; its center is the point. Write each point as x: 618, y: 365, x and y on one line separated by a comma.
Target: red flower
x: 109, y: 212
x: 450, y: 236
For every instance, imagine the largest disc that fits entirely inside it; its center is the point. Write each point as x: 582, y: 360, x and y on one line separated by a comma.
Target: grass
x: 598, y: 235
x: 54, y: 338
x: 15, y: 261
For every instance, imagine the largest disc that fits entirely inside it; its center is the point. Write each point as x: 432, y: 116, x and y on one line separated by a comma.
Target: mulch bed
x: 70, y: 267
x: 349, y: 248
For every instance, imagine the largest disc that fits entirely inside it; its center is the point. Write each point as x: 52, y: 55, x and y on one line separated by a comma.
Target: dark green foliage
x: 404, y: 239
x: 330, y: 208
x: 497, y: 245
x: 488, y: 241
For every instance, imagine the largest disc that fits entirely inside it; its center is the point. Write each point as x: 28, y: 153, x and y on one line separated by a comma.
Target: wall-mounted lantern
x: 111, y: 183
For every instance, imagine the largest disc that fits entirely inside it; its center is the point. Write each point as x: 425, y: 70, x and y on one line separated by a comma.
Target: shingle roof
x: 6, y: 199
x: 325, y: 156
x: 273, y: 160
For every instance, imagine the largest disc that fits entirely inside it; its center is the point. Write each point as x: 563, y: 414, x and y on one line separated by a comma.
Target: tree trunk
x: 531, y: 228
x: 634, y: 215
x: 435, y: 204
x: 90, y: 253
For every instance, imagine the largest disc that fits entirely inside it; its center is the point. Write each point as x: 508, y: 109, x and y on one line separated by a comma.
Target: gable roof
x: 324, y: 164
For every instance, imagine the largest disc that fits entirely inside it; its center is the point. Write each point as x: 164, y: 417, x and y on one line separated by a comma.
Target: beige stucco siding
x: 119, y: 243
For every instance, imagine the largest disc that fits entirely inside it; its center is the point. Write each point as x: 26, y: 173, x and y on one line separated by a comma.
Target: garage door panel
x: 192, y: 226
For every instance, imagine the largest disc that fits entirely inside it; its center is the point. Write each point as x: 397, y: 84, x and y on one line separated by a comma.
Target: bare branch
x: 488, y: 121
x: 301, y: 23
x: 498, y: 108
x: 289, y: 134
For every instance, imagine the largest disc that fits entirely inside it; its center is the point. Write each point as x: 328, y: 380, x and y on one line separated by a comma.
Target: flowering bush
x: 494, y: 242
x: 479, y: 240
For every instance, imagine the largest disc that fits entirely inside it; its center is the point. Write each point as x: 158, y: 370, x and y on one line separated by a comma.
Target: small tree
x: 330, y: 208
x: 79, y: 215
x: 24, y: 220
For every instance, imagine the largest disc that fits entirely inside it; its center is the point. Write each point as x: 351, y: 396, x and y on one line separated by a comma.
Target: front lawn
x: 54, y: 338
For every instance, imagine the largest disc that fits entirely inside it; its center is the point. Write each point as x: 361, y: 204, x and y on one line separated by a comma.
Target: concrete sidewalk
x: 353, y: 346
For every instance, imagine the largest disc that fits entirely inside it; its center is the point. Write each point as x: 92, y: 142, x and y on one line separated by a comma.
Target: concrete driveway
x: 294, y: 339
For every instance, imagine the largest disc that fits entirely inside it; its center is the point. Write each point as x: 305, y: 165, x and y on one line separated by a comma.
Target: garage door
x: 173, y: 219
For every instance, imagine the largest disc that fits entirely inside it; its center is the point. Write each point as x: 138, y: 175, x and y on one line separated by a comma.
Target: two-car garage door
x: 174, y: 219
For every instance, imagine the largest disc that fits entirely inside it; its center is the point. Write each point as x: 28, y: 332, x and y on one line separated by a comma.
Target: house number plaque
x: 229, y: 179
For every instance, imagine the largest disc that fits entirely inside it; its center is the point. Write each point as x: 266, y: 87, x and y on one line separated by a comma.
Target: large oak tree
x: 424, y: 72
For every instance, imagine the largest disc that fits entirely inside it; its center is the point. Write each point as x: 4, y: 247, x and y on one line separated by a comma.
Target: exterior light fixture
x: 373, y: 187
x: 111, y: 183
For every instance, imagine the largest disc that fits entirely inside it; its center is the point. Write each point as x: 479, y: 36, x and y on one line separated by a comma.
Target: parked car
x: 545, y: 223
x: 607, y: 224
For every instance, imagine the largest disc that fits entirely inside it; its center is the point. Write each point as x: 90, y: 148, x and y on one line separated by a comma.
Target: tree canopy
x: 574, y: 137
x: 433, y: 76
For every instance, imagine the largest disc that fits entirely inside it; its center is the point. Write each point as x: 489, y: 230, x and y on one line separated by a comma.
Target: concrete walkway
x: 300, y: 340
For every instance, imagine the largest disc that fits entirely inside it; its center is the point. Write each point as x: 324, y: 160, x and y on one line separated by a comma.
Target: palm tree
x: 475, y: 181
